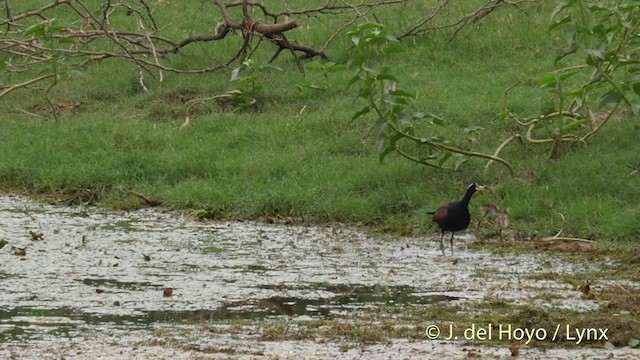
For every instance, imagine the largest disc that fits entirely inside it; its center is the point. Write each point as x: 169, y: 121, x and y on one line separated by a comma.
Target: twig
x: 421, y: 22
x: 625, y: 290
x: 554, y: 238
x: 147, y: 200
x: 23, y: 84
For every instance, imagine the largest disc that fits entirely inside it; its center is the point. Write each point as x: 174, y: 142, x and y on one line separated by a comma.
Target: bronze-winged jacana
x: 454, y: 216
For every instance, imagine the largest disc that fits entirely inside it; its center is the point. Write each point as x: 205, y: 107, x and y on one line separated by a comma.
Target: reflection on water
x: 22, y: 322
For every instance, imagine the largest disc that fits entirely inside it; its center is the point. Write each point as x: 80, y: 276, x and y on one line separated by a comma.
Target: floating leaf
x: 19, y: 251
x: 36, y: 235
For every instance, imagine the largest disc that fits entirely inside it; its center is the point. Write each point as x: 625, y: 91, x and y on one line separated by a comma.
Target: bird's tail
x: 431, y: 212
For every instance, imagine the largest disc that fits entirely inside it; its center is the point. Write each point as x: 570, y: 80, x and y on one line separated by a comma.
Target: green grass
x: 298, y: 153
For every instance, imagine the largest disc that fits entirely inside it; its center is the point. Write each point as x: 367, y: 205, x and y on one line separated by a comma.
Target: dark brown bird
x: 454, y: 216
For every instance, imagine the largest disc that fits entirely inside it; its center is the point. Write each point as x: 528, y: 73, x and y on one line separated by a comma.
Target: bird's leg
x: 442, y: 244
x: 451, y: 243
x: 483, y: 217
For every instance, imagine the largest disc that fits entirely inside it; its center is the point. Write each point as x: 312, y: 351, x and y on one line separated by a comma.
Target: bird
x: 454, y: 216
x: 488, y: 210
x: 502, y: 220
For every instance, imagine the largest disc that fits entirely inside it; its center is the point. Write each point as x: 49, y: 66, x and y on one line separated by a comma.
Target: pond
x: 85, y: 282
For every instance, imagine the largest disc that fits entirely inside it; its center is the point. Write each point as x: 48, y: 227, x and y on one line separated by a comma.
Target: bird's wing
x: 440, y: 214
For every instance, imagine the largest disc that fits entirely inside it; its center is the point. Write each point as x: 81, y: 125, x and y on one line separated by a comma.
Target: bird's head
x: 475, y: 187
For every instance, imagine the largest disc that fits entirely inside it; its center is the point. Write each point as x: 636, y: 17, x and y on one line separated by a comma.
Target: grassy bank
x: 297, y: 153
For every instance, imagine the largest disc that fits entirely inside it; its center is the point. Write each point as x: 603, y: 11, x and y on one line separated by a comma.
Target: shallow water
x: 93, y: 286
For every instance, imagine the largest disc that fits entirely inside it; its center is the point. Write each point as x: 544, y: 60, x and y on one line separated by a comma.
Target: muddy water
x: 93, y: 285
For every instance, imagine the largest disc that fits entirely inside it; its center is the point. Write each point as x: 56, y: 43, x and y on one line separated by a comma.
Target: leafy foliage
x: 397, y: 123
x: 602, y: 72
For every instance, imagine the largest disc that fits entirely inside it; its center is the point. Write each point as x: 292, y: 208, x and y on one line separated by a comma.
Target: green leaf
x: 313, y: 65
x: 337, y: 67
x: 235, y: 74
x: 379, y: 133
x: 566, y: 52
x: 611, y: 97
x: 247, y: 79
x: 2, y: 64
x: 461, y: 159
x: 393, y: 49
x: 435, y: 119
x: 368, y: 26
x: 372, y: 68
x: 309, y: 85
x: 635, y: 108
x: 353, y: 80
x: 365, y: 110
x: 636, y: 88
x: 355, y: 39
x: 472, y: 129
x: 572, y: 125
x: 561, y: 6
x: 634, y: 343
x: 386, y: 77
x: 596, y: 53
x: 632, y: 78
x: 443, y: 158
x: 402, y: 93
x: 406, y: 121
x: 270, y: 66
x: 37, y: 30
x: 562, y: 21
x: 52, y: 29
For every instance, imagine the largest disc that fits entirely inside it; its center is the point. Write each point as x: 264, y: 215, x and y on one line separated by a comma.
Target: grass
x: 298, y: 154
